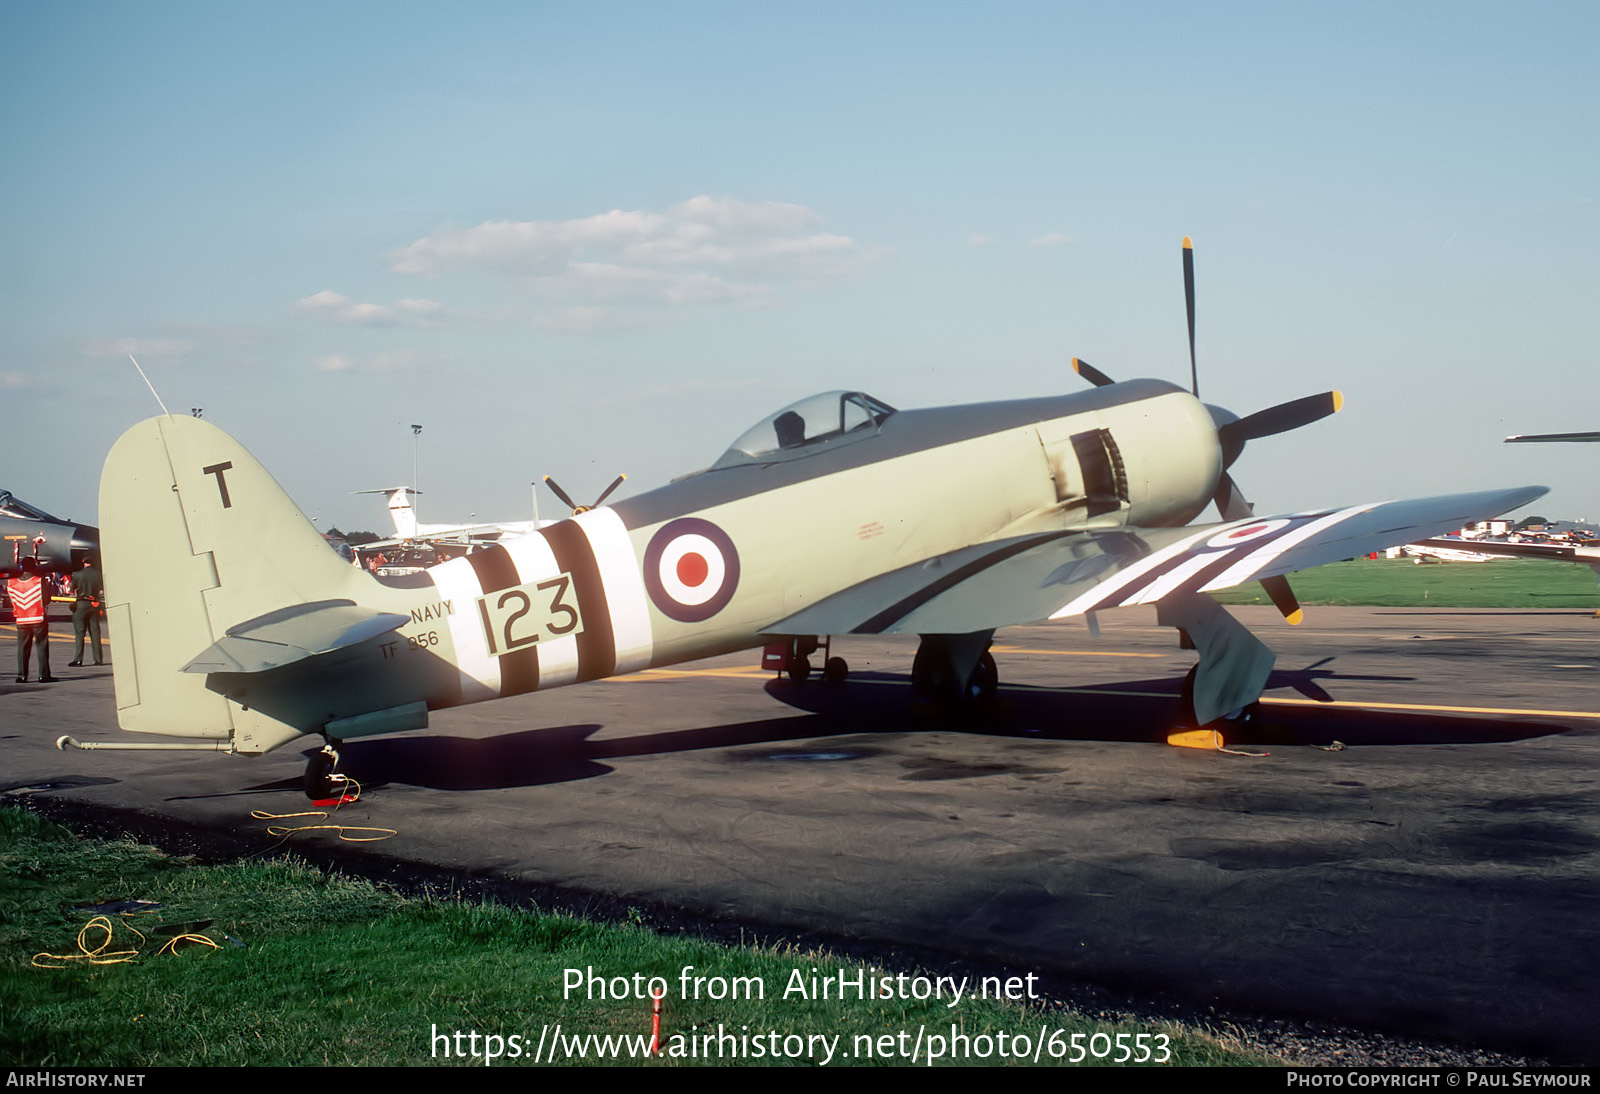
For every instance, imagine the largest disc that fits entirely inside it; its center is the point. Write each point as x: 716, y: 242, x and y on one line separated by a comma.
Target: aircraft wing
x: 1525, y: 437
x: 1050, y: 575
x: 292, y: 634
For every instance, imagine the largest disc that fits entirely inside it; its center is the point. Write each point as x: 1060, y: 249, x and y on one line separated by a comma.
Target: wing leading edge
x: 1052, y: 575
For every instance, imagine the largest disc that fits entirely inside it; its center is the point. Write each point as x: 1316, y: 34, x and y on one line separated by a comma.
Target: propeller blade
x: 601, y: 499
x: 1090, y: 373
x: 1188, y: 299
x: 1231, y: 503
x: 562, y: 494
x: 1277, y: 419
x: 1283, y: 597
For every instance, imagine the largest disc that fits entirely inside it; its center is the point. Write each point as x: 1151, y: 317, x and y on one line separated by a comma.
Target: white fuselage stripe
x: 480, y: 673
x: 535, y: 562
x: 625, y: 593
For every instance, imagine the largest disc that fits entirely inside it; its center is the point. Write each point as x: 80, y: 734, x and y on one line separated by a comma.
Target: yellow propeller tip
x: 1295, y: 617
x: 1188, y: 244
x: 1075, y: 367
x: 1338, y: 401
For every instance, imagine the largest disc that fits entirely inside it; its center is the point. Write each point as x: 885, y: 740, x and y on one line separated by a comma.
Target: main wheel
x: 927, y: 676
x: 1242, y: 716
x: 985, y: 678
x: 799, y: 668
x: 931, y: 679
x: 835, y: 670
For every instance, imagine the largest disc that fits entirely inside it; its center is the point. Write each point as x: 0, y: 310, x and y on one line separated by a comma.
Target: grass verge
x: 333, y: 970
x: 1400, y: 583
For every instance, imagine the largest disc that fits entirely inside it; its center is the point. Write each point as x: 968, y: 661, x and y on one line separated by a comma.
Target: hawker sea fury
x: 837, y: 515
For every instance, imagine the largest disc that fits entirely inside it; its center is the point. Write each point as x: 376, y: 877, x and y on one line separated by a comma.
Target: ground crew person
x: 89, y: 593
x: 28, y: 603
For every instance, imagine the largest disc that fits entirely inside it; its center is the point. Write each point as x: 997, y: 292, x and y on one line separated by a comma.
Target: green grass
x: 1390, y: 583
x: 338, y: 971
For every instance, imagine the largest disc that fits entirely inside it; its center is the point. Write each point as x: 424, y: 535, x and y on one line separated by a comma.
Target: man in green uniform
x: 89, y: 591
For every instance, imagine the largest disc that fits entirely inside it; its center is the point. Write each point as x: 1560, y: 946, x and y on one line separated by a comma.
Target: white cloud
x: 335, y: 307
x: 704, y: 250
x: 1049, y: 239
x: 338, y: 308
x: 980, y: 239
x: 138, y: 347
x: 403, y: 360
x: 422, y: 309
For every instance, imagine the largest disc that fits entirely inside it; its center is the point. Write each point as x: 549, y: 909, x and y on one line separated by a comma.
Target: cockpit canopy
x: 802, y: 427
x: 12, y: 506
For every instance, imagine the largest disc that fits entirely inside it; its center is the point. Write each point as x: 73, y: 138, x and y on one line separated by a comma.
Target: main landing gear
x: 1224, y: 687
x: 1235, y: 719
x: 954, y: 668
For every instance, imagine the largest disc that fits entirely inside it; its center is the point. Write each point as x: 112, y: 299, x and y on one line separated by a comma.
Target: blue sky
x: 582, y: 239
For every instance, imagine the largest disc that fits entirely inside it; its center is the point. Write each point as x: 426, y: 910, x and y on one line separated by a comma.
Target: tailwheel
x: 321, y: 783
x: 835, y: 671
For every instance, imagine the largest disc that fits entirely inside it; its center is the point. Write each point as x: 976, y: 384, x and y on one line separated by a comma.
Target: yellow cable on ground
x: 98, y: 955
x: 285, y: 832
x: 172, y: 943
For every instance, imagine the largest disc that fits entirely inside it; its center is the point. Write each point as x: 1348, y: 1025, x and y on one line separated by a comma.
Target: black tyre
x: 1186, y: 707
x: 985, y: 678
x: 319, y: 777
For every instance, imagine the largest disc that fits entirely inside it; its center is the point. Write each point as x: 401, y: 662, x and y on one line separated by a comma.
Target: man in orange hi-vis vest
x: 28, y: 602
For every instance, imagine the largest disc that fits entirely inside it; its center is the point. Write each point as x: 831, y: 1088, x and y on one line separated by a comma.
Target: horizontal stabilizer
x: 292, y: 634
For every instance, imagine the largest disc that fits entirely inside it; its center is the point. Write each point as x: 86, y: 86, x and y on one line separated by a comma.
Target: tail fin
x: 198, y: 538
x: 400, y: 510
x: 404, y: 517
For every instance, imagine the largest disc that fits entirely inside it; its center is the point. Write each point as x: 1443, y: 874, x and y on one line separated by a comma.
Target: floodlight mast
x: 416, y: 432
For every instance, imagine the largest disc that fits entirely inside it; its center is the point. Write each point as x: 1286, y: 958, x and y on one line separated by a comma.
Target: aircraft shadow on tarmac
x: 1148, y: 710
x: 557, y: 754
x: 880, y: 703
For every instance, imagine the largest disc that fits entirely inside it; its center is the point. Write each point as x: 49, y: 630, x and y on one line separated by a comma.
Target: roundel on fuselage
x: 691, y: 569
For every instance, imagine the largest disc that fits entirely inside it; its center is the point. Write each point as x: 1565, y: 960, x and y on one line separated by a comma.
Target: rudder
x: 198, y: 537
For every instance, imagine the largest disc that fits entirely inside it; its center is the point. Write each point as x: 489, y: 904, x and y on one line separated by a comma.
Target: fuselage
x: 707, y: 564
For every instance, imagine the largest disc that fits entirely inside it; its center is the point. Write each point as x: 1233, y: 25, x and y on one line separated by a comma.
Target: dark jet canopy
x: 13, y: 506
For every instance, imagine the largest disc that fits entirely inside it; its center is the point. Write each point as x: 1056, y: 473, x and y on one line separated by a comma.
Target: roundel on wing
x: 1246, y: 533
x: 691, y: 569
